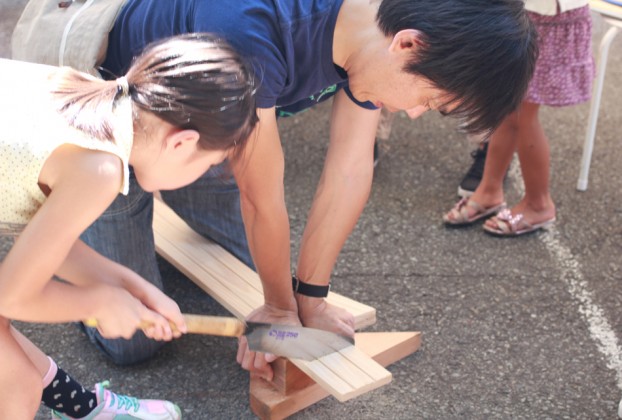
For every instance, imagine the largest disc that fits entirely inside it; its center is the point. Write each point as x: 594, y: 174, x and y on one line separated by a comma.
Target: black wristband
x: 311, y: 290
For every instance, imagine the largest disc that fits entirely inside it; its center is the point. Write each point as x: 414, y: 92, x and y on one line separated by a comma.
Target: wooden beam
x: 291, y: 390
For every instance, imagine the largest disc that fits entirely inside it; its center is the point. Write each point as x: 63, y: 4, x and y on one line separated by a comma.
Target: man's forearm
x: 259, y: 173
x: 335, y: 211
x: 268, y: 240
x: 342, y: 191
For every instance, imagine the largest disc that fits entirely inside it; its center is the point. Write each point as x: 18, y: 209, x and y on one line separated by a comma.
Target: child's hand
x: 157, y: 301
x: 121, y: 314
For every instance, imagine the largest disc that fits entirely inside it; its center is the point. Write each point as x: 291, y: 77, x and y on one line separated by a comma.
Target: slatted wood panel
x: 344, y: 374
x: 220, y: 274
x: 270, y: 403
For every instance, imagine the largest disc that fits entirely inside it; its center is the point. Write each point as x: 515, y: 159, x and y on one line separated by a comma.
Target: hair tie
x: 123, y: 85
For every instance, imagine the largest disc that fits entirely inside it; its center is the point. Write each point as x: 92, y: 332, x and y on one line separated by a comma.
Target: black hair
x: 481, y: 52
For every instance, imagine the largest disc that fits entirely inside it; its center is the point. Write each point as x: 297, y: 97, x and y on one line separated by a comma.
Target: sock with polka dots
x: 63, y: 394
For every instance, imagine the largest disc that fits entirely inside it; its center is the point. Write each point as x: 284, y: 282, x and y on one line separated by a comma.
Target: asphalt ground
x: 523, y: 328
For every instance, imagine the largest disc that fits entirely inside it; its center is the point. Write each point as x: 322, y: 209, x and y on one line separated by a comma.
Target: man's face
x: 381, y: 79
x: 402, y: 92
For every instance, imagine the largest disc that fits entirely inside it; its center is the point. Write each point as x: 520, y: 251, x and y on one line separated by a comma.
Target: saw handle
x: 200, y: 324
x: 214, y: 325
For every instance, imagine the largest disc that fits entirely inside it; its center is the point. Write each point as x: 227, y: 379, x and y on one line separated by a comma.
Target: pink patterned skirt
x: 565, y: 68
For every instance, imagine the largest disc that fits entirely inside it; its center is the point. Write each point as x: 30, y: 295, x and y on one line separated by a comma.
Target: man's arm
x: 340, y: 197
x: 259, y: 174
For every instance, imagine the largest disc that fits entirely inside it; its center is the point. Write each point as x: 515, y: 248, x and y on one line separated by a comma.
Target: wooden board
x: 220, y: 274
x: 345, y: 374
x: 269, y: 401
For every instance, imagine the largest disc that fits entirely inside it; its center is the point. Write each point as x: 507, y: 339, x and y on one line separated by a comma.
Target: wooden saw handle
x: 214, y: 325
x: 200, y: 324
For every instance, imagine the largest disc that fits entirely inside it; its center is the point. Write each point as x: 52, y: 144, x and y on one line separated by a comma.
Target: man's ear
x: 182, y: 139
x: 406, y: 40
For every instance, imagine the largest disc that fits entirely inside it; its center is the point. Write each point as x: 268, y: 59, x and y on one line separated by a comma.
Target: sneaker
x: 111, y: 406
x: 474, y: 175
x: 620, y: 410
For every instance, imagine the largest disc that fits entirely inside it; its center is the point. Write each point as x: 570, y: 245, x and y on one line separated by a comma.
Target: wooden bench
x: 297, y: 383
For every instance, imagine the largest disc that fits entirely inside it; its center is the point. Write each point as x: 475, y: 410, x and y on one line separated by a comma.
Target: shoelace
x: 122, y: 401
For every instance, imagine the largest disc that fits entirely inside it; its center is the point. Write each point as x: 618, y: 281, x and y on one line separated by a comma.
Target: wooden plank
x: 186, y: 252
x: 269, y: 403
x: 345, y: 374
x: 388, y: 347
x: 224, y: 277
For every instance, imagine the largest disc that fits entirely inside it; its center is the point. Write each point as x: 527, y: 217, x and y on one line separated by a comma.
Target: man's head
x: 480, y: 52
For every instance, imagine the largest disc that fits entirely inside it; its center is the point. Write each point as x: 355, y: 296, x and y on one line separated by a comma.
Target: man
x: 468, y: 58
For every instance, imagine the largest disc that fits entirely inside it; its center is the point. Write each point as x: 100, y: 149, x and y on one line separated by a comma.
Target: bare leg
x: 37, y: 357
x: 501, y: 148
x: 19, y: 378
x: 534, y: 156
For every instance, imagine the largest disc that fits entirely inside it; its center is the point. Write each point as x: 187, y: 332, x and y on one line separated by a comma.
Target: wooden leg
x: 292, y: 390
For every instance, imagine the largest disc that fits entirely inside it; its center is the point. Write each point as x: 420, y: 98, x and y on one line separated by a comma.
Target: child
x: 184, y: 105
x: 563, y: 76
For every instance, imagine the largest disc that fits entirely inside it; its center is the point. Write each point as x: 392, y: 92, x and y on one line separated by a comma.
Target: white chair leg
x: 588, y: 145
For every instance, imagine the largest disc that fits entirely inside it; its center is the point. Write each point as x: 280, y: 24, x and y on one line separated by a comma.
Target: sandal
x: 508, y: 224
x: 459, y: 215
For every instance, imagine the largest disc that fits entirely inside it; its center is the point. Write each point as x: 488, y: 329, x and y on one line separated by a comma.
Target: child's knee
x: 29, y: 391
x: 20, y: 406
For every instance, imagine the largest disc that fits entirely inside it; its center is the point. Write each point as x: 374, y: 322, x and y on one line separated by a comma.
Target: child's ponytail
x: 88, y: 102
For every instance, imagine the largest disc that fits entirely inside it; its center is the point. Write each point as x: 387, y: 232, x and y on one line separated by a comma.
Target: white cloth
x: 549, y: 7
x: 32, y: 129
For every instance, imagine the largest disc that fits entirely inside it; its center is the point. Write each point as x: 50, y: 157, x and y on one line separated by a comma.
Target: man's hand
x: 317, y: 313
x: 258, y: 363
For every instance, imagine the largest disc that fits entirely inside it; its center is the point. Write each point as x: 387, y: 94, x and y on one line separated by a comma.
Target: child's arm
x: 82, y: 185
x: 85, y: 266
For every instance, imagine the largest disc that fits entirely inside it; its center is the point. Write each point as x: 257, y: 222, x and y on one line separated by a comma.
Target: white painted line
x: 600, y: 329
x: 571, y: 274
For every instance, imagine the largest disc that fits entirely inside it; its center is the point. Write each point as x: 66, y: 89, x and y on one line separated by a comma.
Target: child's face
x: 166, y: 158
x: 174, y: 162
x: 170, y: 174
